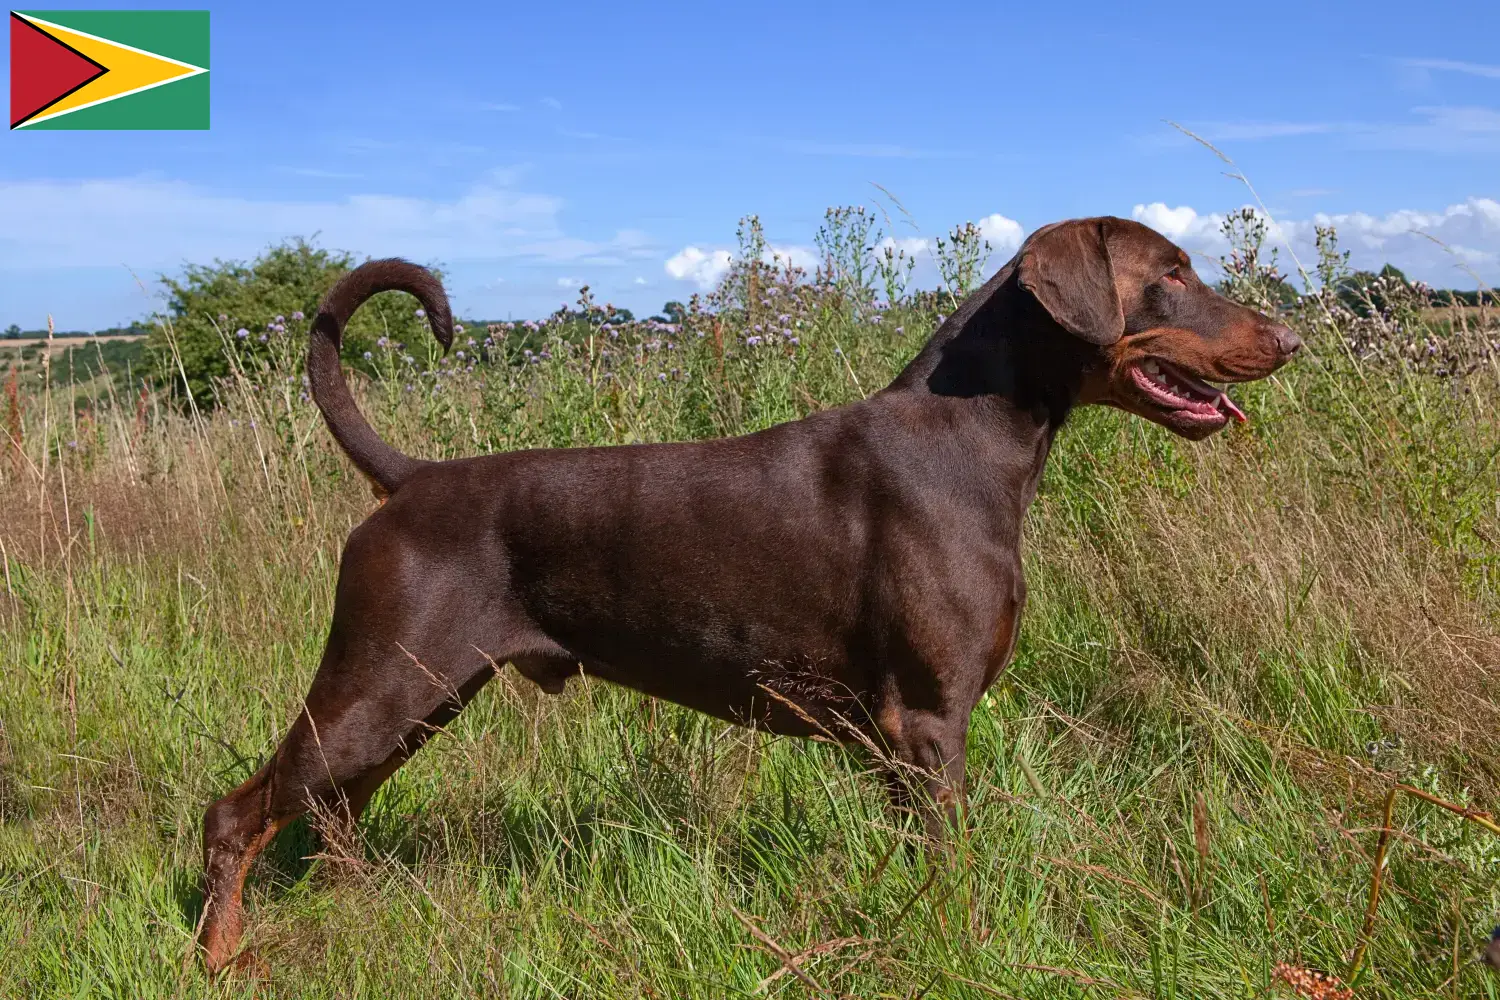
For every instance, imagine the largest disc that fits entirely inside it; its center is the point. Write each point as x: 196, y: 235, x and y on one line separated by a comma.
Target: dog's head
x: 1162, y: 334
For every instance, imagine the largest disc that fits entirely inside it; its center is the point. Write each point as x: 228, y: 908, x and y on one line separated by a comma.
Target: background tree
x: 250, y: 304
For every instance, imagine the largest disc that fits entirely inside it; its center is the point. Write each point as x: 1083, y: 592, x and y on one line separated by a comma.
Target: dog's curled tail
x: 383, y: 464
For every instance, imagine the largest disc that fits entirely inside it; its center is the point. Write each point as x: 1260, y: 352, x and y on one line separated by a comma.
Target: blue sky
x: 526, y: 148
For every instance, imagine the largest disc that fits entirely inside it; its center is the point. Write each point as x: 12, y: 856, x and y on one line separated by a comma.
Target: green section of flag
x: 179, y: 106
x: 176, y: 34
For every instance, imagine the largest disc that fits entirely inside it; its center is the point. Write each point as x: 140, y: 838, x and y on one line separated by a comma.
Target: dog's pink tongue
x: 1227, y: 405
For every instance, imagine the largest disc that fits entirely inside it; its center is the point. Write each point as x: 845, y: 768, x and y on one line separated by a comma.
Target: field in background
x: 1231, y: 652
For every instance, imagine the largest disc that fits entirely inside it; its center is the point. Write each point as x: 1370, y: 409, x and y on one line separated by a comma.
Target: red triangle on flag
x: 43, y: 70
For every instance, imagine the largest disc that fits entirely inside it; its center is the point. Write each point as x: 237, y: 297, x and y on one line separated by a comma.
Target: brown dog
x: 857, y: 571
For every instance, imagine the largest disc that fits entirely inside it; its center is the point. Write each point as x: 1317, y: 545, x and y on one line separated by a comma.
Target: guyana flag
x: 109, y: 69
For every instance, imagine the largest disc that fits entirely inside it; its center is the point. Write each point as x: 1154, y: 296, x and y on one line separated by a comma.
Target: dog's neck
x: 1001, y: 350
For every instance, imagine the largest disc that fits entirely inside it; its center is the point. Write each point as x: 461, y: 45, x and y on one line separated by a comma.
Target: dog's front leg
x: 925, y: 764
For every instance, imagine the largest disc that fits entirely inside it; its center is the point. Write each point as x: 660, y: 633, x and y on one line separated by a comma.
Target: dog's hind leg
x: 361, y: 720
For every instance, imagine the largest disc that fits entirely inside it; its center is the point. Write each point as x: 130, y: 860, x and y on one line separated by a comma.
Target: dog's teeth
x: 1159, y: 377
x: 1151, y: 367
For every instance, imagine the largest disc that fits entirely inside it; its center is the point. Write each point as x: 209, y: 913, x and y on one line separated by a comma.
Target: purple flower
x: 368, y: 355
x: 297, y: 315
x: 661, y: 377
x: 223, y: 318
x: 793, y: 341
x: 459, y: 328
x: 471, y: 341
x: 408, y: 387
x: 280, y: 319
x: 546, y: 354
x: 839, y: 351
x: 262, y: 338
x: 409, y: 359
x: 383, y: 342
x: 460, y: 354
x: 72, y: 444
x: 752, y: 341
x: 901, y: 330
x: 420, y: 314
x: 242, y: 333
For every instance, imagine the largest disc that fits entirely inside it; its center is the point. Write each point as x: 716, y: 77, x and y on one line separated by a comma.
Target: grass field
x: 1232, y: 652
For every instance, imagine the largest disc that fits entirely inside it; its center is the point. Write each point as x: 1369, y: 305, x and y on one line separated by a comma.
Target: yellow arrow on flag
x: 129, y: 70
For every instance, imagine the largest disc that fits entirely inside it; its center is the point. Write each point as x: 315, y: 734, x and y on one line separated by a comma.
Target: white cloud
x: 639, y: 280
x: 1438, y: 247
x: 566, y: 282
x: 802, y: 257
x: 1247, y: 131
x: 708, y: 267
x: 1004, y: 235
x: 1454, y: 66
x: 703, y: 267
x: 912, y: 246
x: 150, y: 225
x: 1176, y: 224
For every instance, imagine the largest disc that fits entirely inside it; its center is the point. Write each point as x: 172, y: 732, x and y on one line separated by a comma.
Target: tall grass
x: 1231, y: 651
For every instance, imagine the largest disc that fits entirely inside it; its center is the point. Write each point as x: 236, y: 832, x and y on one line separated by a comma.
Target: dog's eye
x: 1174, y: 277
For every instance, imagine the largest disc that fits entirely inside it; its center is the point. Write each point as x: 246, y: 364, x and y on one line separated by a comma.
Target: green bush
x: 255, y: 305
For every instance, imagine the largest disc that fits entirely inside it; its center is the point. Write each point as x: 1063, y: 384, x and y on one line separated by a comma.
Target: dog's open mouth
x: 1189, y: 398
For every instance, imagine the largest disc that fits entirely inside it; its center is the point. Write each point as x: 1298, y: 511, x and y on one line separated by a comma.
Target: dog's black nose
x: 1287, y: 342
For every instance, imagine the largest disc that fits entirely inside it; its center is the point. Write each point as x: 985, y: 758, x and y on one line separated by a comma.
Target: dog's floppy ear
x: 1067, y: 269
